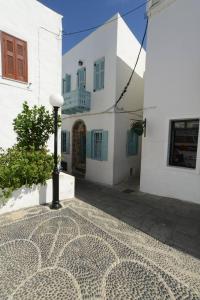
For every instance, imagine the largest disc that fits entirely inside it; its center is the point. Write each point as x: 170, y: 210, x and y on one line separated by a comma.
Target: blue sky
x: 80, y: 14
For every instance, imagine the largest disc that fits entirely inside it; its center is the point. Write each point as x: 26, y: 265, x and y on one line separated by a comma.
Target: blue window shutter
x: 135, y: 143
x: 95, y: 81
x: 84, y: 73
x: 102, y: 67
x: 81, y: 78
x: 63, y: 141
x: 92, y: 144
x: 97, y: 75
x: 129, y: 143
x: 67, y: 83
x: 67, y: 142
x: 89, y: 144
x: 132, y: 143
x: 99, y: 70
x: 104, y: 147
x: 63, y: 86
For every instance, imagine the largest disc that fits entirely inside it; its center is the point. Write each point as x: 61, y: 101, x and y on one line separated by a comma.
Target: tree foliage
x: 33, y: 127
x: 19, y: 167
x: 28, y: 162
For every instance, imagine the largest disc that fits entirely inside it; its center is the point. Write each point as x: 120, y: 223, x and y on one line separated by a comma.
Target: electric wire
x: 137, y: 60
x: 132, y: 73
x: 108, y: 110
x: 106, y: 23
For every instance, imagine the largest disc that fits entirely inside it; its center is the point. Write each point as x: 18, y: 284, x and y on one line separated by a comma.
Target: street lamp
x: 56, y: 101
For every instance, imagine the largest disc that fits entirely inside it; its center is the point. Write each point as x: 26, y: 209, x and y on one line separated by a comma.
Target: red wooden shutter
x: 14, y: 58
x: 8, y: 56
x: 21, y: 60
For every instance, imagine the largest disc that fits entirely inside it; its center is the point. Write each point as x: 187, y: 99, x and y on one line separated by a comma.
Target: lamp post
x: 56, y: 101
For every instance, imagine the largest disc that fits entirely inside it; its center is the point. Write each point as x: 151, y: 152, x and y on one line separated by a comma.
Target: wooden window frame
x: 15, y: 75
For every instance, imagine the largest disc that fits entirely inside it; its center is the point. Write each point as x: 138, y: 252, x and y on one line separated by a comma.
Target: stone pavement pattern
x: 80, y: 252
x: 173, y: 222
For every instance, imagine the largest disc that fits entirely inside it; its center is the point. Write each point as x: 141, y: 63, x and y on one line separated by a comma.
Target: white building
x: 171, y: 149
x: 30, y: 59
x: 95, y: 73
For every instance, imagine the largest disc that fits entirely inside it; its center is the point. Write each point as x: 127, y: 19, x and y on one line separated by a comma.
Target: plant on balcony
x: 28, y: 162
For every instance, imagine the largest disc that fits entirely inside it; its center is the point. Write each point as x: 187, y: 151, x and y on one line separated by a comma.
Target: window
x: 65, y: 142
x: 14, y: 58
x: 97, y: 145
x: 66, y: 85
x: 132, y: 143
x: 81, y: 78
x: 99, y: 70
x: 183, y: 143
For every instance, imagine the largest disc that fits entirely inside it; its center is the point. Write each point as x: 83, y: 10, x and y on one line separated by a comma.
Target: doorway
x: 79, y: 148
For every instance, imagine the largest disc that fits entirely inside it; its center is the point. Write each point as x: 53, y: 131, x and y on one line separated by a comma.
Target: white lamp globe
x: 56, y: 100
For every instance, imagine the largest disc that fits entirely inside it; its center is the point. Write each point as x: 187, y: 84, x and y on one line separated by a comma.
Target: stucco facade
x: 110, y: 43
x: 172, y: 88
x: 41, y: 29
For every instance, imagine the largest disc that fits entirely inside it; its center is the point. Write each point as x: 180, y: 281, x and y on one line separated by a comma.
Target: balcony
x: 77, y: 101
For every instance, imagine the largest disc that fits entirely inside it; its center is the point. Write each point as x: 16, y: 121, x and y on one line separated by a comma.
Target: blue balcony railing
x: 76, y: 101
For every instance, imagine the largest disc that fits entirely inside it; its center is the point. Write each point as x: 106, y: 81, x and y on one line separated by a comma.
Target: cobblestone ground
x: 80, y: 252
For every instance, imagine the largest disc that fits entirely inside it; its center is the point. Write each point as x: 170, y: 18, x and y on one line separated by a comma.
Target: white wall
x: 98, y: 171
x: 109, y: 41
x: 101, y: 43
x: 40, y: 27
x: 133, y: 99
x: 172, y: 86
x: 39, y: 194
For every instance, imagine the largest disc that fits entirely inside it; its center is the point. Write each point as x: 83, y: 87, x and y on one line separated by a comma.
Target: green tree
x: 28, y: 162
x: 33, y: 127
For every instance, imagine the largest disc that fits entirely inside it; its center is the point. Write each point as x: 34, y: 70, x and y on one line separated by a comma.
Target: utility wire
x: 108, y: 110
x: 132, y: 73
x: 108, y: 22
x: 132, y: 112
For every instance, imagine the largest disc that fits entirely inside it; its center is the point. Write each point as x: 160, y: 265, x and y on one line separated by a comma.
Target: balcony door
x: 81, y: 78
x: 79, y: 148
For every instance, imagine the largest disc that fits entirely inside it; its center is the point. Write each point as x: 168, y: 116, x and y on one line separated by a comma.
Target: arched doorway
x: 79, y: 148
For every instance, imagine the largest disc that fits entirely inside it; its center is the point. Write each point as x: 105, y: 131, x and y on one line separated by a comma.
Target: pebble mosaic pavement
x: 80, y: 252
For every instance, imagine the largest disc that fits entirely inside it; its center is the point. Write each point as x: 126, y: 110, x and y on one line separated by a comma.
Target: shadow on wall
x: 132, y: 100
x: 134, y: 97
